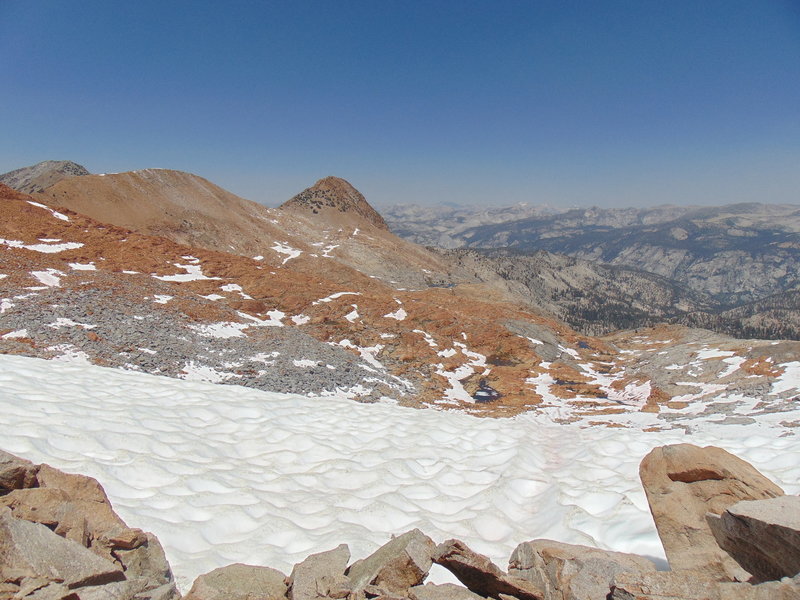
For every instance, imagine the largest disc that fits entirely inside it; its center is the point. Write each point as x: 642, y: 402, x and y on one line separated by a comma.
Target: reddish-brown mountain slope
x: 191, y: 210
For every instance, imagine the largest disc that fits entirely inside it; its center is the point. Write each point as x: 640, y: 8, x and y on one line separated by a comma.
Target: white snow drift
x: 224, y: 474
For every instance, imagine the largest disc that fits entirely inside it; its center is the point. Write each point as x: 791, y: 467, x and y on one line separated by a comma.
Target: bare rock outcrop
x: 763, y: 536
x: 444, y: 591
x: 401, y: 563
x: 676, y: 585
x: 239, y: 582
x: 683, y: 482
x: 59, y: 531
x: 16, y: 473
x: 31, y: 550
x: 481, y: 575
x: 320, y: 575
x: 571, y: 572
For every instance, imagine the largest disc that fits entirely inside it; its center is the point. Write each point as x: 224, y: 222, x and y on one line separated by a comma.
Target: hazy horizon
x: 477, y: 103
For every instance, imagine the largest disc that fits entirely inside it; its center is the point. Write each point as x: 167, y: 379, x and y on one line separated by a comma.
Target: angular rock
x: 445, y: 591
x: 147, y: 563
x: 16, y: 473
x: 90, y: 498
x: 763, y: 536
x: 50, y: 507
x: 571, y: 572
x: 481, y: 575
x: 686, y: 585
x: 239, y: 582
x: 52, y: 591
x: 683, y: 482
x: 76, y: 507
x: 168, y: 591
x: 136, y: 589
x: 320, y: 574
x: 34, y: 550
x: 399, y: 564
x: 374, y: 592
x: 79, y: 487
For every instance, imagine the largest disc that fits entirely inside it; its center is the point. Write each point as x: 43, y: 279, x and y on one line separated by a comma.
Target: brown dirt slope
x: 191, y: 210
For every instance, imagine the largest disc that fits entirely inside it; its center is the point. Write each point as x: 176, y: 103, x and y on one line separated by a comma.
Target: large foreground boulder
x: 683, y: 482
x: 571, y: 572
x: 75, y: 516
x: 481, y: 575
x: 763, y: 536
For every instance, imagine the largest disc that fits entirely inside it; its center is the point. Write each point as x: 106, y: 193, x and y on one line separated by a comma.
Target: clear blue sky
x: 608, y: 103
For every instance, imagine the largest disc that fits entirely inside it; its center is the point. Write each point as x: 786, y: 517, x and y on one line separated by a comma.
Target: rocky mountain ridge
x: 189, y: 209
x: 441, y: 226
x: 42, y: 175
x: 593, y: 298
x: 337, y: 202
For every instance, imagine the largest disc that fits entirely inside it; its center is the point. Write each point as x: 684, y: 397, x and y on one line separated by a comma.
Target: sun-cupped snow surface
x: 225, y: 474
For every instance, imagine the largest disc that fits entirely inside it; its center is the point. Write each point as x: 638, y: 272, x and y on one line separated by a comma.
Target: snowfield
x: 226, y: 474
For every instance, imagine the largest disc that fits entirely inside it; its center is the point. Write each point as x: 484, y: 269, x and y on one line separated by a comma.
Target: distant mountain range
x: 443, y: 226
x: 728, y: 257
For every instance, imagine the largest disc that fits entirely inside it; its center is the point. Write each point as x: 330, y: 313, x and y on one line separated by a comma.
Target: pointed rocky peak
x: 42, y: 175
x: 337, y: 201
